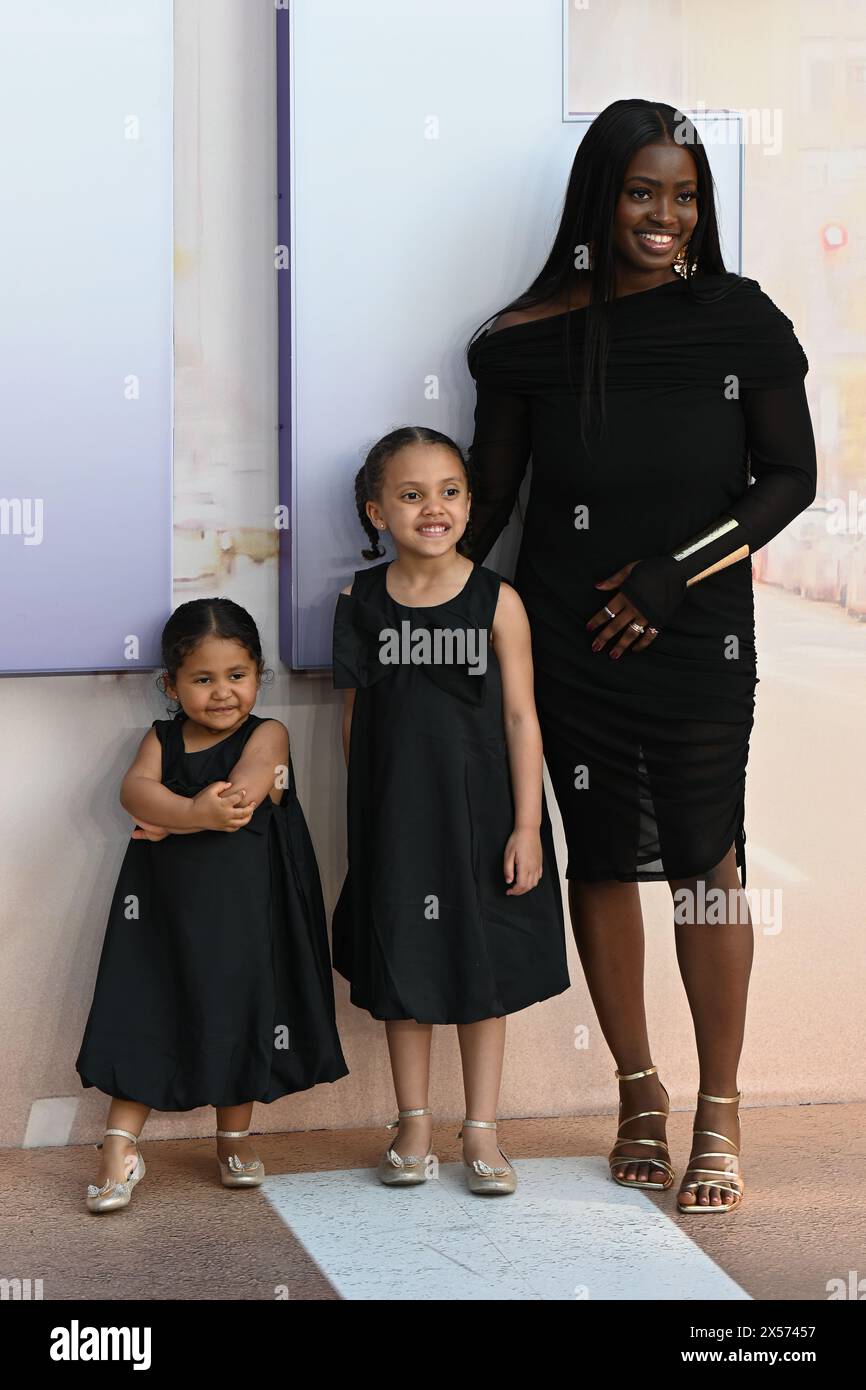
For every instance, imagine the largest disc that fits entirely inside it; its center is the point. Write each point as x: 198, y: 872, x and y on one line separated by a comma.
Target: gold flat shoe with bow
x: 111, y: 1196
x: 234, y: 1173
x: 484, y: 1179
x: 404, y: 1170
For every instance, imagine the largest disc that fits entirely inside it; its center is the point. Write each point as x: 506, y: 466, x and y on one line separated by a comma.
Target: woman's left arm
x: 783, y: 460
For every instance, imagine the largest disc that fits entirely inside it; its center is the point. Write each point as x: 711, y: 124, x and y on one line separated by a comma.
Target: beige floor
x: 184, y: 1237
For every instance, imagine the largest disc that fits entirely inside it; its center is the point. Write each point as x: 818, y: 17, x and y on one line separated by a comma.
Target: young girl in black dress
x: 214, y: 985
x: 451, y: 910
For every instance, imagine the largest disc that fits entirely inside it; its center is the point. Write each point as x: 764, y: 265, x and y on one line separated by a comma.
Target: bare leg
x: 715, y: 962
x: 235, y: 1117
x: 409, y: 1050
x: 118, y: 1155
x: 482, y: 1047
x: 608, y: 929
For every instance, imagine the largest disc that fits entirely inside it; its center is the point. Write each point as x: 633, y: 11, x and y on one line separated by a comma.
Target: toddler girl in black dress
x: 214, y: 985
x: 451, y: 910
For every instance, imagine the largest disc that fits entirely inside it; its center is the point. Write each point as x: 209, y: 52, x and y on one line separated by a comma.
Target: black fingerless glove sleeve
x: 783, y: 468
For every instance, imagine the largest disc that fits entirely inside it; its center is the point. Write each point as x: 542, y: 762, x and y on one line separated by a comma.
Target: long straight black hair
x: 594, y: 185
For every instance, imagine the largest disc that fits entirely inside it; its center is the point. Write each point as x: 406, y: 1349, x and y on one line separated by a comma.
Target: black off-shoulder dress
x: 647, y: 755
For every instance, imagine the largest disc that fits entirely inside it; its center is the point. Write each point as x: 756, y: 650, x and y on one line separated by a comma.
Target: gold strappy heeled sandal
x: 111, y: 1196
x: 663, y: 1163
x: 484, y: 1180
x: 731, y: 1174
x: 234, y: 1173
x: 404, y: 1170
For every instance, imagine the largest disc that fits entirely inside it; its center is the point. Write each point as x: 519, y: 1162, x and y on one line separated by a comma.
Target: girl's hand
x: 523, y: 861
x: 145, y: 831
x: 231, y: 795
x: 618, y: 626
x: 214, y: 811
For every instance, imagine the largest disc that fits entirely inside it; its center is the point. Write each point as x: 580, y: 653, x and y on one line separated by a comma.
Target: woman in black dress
x: 647, y: 384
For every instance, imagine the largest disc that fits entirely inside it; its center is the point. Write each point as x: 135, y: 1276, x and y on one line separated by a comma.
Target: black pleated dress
x: 215, y: 986
x: 647, y: 755
x: 424, y: 928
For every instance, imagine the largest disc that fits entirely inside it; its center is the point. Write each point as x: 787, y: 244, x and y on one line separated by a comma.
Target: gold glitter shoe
x: 484, y: 1180
x: 237, y: 1174
x: 111, y: 1196
x: 404, y: 1170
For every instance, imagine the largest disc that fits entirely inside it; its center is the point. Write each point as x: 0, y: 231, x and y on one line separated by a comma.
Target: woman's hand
x: 607, y: 628
x: 220, y: 807
x: 145, y: 831
x: 523, y: 861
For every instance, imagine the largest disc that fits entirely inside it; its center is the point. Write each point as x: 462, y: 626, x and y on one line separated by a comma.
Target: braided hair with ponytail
x: 369, y: 478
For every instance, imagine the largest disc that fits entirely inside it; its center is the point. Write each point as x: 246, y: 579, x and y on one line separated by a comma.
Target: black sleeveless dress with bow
x: 647, y: 754
x: 214, y: 986
x: 424, y: 928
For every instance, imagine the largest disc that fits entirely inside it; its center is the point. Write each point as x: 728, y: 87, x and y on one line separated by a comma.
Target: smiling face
x: 657, y: 209
x: 424, y: 500
x: 216, y: 684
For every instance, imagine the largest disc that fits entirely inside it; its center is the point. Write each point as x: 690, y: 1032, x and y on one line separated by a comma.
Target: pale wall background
x: 68, y: 739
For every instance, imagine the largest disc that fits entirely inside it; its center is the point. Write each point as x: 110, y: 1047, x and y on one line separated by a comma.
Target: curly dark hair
x: 206, y: 617
x: 369, y: 478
